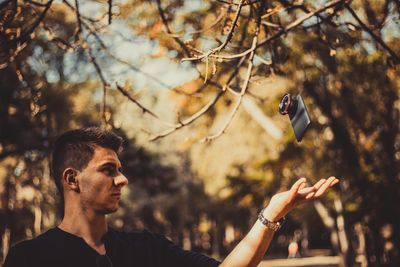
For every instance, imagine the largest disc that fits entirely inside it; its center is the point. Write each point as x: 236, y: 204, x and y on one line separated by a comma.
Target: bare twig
x: 242, y: 92
x: 85, y: 17
x: 143, y: 108
x: 61, y: 43
x: 129, y: 65
x: 231, y: 30
x: 227, y: 40
x: 269, y: 24
x: 16, y: 33
x: 106, y: 85
x: 165, y: 22
x: 236, y: 4
x: 246, y: 79
x: 37, y: 22
x: 289, y: 7
x: 299, y: 21
x: 213, y: 24
x: 109, y: 11
x: 21, y: 41
x: 78, y: 17
x: 283, y: 31
x: 190, y: 120
x: 21, y: 76
x: 207, y: 107
x: 99, y: 71
x: 373, y: 35
x: 120, y: 88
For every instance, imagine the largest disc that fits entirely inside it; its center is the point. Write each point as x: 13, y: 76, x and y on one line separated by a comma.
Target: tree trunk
x: 329, y: 223
x: 360, y: 251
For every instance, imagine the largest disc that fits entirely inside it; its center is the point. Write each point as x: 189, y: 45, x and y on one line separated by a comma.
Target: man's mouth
x: 117, y: 195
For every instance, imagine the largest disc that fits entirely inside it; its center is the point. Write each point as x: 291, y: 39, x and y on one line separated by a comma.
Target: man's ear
x: 70, y: 180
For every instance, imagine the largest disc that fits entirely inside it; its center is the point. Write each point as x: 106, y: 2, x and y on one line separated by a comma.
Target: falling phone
x: 294, y: 106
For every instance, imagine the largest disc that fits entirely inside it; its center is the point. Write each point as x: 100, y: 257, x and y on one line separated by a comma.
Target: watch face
x: 274, y: 226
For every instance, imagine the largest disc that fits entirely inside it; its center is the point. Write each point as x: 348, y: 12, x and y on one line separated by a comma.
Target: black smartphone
x: 296, y: 109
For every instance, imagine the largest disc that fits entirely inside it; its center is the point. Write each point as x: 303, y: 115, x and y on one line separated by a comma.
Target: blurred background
x: 194, y: 87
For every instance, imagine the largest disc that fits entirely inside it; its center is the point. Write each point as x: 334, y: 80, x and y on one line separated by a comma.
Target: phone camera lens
x: 288, y: 105
x: 285, y: 104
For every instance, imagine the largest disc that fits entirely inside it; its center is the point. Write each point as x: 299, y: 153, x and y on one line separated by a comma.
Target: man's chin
x: 111, y: 210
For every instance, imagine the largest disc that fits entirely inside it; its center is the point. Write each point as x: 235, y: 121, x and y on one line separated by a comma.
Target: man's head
x: 85, y: 166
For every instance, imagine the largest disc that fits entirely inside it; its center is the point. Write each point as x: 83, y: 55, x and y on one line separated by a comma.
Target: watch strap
x: 274, y: 226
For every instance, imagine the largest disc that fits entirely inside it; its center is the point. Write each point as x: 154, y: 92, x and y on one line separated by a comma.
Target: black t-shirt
x: 57, y: 248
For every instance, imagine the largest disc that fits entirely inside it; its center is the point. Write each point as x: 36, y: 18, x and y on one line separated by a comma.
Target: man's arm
x: 252, y: 248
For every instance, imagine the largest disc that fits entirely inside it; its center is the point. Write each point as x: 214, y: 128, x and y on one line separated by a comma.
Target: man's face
x: 101, y: 181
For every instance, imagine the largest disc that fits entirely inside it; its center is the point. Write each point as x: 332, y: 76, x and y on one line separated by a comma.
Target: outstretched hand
x: 282, y: 203
x: 251, y: 249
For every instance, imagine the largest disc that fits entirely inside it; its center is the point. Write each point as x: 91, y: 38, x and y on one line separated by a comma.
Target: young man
x: 86, y: 170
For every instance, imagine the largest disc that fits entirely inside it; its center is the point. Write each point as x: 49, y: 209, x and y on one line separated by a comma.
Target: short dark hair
x: 75, y: 148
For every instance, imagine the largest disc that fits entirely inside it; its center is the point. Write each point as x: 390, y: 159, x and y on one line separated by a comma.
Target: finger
x: 336, y: 181
x: 303, y: 185
x: 295, y: 188
x: 307, y: 197
x: 307, y: 190
x: 310, y: 196
x: 319, y: 192
x: 327, y: 184
x: 319, y: 183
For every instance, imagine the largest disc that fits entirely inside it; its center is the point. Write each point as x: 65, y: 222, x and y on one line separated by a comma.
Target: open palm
x: 283, y: 202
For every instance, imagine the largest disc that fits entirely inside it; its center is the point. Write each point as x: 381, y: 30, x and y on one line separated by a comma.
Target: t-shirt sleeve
x: 174, y: 255
x: 17, y: 256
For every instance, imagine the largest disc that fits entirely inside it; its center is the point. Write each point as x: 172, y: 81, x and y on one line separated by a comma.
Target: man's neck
x: 88, y: 225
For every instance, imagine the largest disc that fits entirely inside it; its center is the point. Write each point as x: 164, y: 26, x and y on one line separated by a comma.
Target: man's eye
x: 109, y: 170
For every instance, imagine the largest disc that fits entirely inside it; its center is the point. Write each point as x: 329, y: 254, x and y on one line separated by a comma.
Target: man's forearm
x: 251, y: 250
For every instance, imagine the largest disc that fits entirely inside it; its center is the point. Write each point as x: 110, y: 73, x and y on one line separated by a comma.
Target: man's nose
x: 120, y: 180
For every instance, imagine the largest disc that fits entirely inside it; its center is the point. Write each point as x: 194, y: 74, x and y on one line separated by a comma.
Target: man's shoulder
x: 43, y: 238
x: 159, y: 250
x: 25, y: 251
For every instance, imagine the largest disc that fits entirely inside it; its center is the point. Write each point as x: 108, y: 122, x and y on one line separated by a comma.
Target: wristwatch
x: 274, y: 226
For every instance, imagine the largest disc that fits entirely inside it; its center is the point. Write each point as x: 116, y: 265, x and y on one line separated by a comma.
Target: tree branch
x: 206, y: 108
x: 19, y: 42
x: 236, y: 4
x: 213, y: 24
x: 165, y: 22
x: 242, y: 93
x: 373, y: 35
x: 109, y: 11
x: 144, y: 109
x: 283, y: 31
x: 106, y: 85
x: 224, y: 44
x: 190, y: 120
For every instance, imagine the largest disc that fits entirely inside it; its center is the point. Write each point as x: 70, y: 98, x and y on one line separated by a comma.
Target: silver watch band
x: 274, y: 226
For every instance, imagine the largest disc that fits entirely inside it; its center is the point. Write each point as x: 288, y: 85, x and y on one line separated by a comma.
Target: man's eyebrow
x: 110, y: 163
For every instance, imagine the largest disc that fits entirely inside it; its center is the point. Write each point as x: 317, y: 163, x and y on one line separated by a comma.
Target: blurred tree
x: 341, y: 55
x: 36, y: 104
x: 41, y: 96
